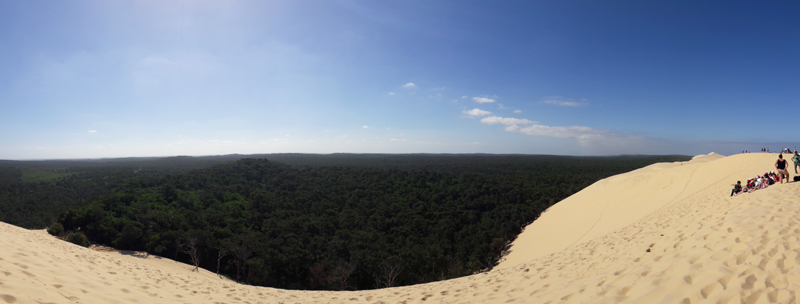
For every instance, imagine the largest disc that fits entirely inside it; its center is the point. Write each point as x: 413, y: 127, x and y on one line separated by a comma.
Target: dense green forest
x: 337, y: 222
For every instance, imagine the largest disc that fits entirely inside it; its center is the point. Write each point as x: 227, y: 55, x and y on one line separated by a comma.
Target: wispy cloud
x: 409, y: 85
x: 464, y: 97
x: 517, y: 111
x: 595, y: 139
x: 365, y: 127
x: 558, y: 132
x: 508, y: 121
x: 91, y: 131
x: 477, y: 112
x: 391, y: 93
x: 483, y: 100
x: 565, y: 102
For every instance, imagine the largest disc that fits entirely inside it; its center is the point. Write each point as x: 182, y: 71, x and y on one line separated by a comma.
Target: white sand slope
x: 611, y: 204
x: 667, y: 233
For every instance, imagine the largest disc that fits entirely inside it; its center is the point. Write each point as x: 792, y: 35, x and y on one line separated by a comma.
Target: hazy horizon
x: 87, y: 80
x: 324, y: 154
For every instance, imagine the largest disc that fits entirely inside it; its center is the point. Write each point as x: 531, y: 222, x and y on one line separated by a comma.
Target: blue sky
x: 88, y: 79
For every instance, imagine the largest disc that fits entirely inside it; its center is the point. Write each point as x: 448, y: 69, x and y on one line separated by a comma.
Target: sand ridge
x: 605, y: 206
x: 667, y: 233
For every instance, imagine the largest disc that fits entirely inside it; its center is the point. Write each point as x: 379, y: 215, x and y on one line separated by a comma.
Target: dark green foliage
x: 43, y: 175
x: 78, y: 239
x: 55, y: 229
x: 332, y: 222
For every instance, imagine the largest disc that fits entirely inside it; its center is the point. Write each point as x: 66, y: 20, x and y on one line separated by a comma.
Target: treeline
x: 34, y: 197
x: 382, y: 221
x: 34, y: 193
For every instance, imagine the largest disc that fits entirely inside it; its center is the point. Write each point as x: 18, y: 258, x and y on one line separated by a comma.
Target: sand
x: 667, y: 233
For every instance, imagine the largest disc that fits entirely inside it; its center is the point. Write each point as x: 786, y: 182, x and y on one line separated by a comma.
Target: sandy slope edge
x: 608, y: 205
x: 667, y: 233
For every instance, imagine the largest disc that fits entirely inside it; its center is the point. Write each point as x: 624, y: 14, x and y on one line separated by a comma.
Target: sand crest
x: 667, y: 233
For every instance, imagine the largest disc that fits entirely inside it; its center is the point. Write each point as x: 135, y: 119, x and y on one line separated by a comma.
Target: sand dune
x: 667, y: 233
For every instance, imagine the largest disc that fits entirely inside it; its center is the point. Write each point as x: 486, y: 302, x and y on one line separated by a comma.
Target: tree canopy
x: 324, y: 222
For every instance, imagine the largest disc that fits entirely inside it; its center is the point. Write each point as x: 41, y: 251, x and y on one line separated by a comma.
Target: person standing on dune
x: 781, y: 165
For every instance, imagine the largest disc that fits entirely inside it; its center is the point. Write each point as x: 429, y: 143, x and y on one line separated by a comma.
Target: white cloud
x: 482, y: 100
x: 91, y: 131
x: 409, y: 85
x: 501, y: 106
x: 477, y: 112
x: 508, y: 121
x: 365, y: 127
x: 391, y: 93
x: 517, y: 111
x: 558, y: 132
x: 604, y: 141
x: 464, y: 97
x: 565, y: 102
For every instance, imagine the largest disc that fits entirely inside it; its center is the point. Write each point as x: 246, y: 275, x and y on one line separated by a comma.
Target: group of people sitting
x: 755, y: 183
x: 769, y: 178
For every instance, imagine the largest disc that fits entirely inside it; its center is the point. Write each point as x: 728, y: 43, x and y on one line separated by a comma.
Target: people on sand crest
x: 781, y: 165
x: 775, y: 177
x: 737, y: 188
x: 768, y: 178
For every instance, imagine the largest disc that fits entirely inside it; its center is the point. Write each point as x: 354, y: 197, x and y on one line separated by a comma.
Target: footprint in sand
x: 749, y: 282
x: 8, y: 298
x: 710, y: 290
x: 23, y: 266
